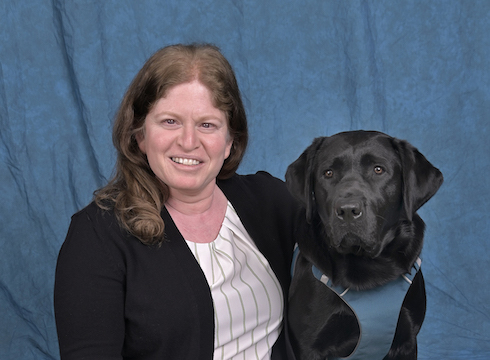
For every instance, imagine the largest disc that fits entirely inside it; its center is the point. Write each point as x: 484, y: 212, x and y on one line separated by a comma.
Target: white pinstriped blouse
x: 247, y: 297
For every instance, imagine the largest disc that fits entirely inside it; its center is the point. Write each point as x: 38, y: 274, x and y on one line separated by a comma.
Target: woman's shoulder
x: 93, y: 238
x: 96, y: 224
x: 260, y: 189
x: 97, y: 207
x: 260, y: 181
x: 94, y: 213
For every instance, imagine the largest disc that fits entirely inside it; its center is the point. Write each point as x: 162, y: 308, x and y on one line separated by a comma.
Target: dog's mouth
x: 352, y: 244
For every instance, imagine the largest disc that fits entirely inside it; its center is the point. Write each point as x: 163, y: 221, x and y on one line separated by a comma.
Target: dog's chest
x: 377, y: 311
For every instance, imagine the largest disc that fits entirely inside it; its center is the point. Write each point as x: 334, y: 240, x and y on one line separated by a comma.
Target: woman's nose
x: 188, y: 138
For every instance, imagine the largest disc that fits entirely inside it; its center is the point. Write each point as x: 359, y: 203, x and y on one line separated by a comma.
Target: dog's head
x: 361, y: 185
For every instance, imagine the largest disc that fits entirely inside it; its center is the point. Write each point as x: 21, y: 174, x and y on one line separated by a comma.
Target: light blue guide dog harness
x: 377, y: 311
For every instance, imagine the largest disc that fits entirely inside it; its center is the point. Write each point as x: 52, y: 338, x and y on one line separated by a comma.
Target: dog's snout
x: 348, y: 209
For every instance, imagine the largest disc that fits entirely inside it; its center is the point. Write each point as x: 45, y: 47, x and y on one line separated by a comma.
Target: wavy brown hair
x: 134, y: 192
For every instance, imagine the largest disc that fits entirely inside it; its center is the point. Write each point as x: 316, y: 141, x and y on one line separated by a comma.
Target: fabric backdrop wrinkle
x: 415, y: 69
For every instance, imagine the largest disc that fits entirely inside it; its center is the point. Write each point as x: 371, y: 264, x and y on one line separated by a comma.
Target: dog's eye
x: 378, y: 170
x: 328, y: 173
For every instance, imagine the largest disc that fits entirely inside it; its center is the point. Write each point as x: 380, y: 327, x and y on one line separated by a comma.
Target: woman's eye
x: 169, y: 121
x: 207, y: 125
x: 328, y: 173
x: 378, y: 170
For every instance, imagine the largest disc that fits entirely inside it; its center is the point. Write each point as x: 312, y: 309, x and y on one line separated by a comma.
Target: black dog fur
x: 360, y: 191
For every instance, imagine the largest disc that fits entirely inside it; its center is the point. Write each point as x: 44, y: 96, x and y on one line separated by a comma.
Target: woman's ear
x: 140, y: 139
x: 229, y: 145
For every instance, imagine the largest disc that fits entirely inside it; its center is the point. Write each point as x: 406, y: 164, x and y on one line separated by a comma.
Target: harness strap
x: 341, y: 291
x: 319, y: 275
x: 295, y: 258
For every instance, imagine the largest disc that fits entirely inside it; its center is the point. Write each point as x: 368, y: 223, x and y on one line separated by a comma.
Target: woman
x: 178, y: 257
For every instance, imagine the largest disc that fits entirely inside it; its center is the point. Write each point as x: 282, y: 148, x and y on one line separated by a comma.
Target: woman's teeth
x: 185, y: 161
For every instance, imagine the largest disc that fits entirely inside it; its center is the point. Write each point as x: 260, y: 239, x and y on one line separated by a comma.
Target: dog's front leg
x: 321, y: 325
x: 410, y: 321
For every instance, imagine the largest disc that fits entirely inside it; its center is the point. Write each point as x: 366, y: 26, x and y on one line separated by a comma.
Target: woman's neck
x: 198, y: 219
x: 190, y: 204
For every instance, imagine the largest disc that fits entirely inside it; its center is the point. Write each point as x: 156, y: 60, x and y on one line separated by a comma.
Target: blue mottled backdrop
x: 418, y: 70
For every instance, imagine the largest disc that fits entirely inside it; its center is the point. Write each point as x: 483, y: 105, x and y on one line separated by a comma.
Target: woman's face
x: 186, y: 139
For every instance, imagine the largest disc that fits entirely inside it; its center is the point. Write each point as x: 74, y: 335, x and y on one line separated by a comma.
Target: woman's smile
x: 184, y: 161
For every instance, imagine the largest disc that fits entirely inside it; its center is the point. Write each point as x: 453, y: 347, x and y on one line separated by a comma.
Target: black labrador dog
x: 360, y: 191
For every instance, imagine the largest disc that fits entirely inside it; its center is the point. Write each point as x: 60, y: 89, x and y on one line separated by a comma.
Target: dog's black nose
x: 348, y: 209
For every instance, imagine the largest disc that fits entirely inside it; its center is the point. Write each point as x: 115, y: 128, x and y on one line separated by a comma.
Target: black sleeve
x: 88, y: 295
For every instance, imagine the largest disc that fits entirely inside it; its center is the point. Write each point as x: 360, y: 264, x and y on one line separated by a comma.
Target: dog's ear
x: 300, y: 178
x: 421, y: 179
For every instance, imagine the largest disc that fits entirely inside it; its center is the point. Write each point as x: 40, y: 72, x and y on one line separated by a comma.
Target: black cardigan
x: 116, y: 298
